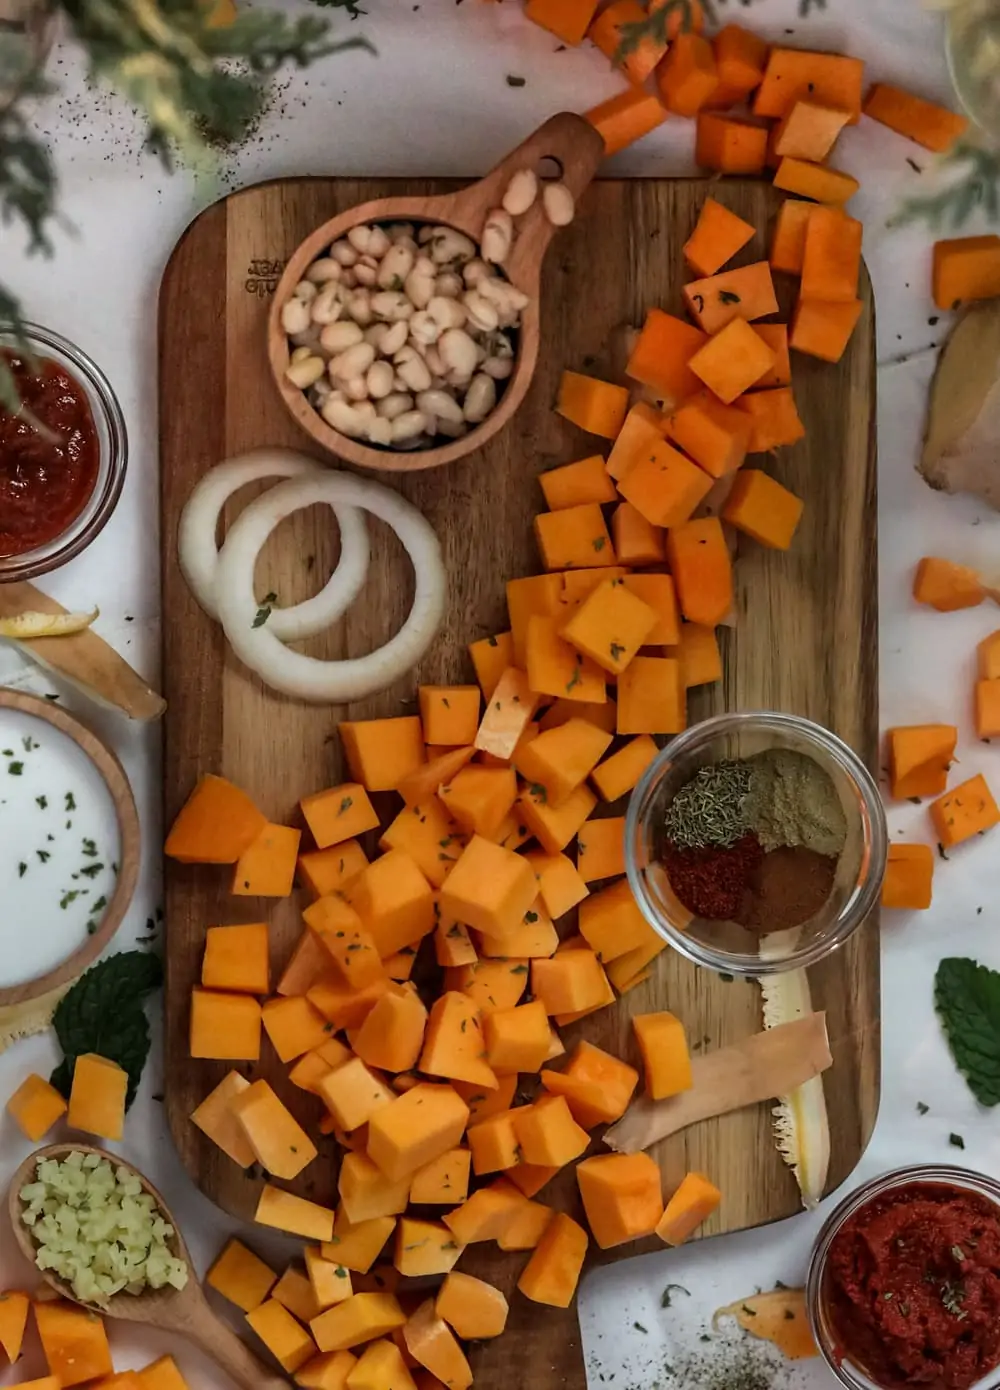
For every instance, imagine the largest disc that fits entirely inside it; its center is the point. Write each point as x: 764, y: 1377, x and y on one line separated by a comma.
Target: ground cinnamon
x: 787, y: 887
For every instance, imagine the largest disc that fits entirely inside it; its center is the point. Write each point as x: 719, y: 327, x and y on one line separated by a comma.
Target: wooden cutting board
x: 805, y: 641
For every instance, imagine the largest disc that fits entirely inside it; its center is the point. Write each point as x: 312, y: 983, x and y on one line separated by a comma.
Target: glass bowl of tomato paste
x: 756, y: 843
x: 904, y: 1282
x: 63, y: 456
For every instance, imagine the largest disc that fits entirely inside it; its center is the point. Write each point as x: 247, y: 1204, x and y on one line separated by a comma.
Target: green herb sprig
x: 967, y: 999
x: 975, y: 186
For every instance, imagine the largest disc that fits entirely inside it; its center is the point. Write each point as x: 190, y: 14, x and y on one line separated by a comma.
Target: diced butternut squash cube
x: 717, y: 236
x: 162, y: 1375
x: 453, y: 944
x: 597, y: 1086
x: 293, y: 1026
x: 74, y: 1341
x: 600, y: 851
x: 687, y: 77
x: 569, y: 22
x: 699, y: 655
x: 762, y: 508
x: 225, y: 1027
x: 306, y: 966
x: 431, y: 1342
x: 424, y: 1248
x: 774, y: 421
x: 478, y: 799
x: 491, y: 656
x: 394, y: 901
x: 417, y: 1127
x: 560, y: 759
x: 216, y: 824
x: 517, y: 1039
x: 792, y: 74
x: 310, y: 1070
x: 988, y: 657
x: 491, y: 984
x: 483, y: 1103
x: 14, y: 1306
x: 476, y: 1310
x: 420, y: 787
x: 595, y: 406
x: 393, y: 1033
x: 360, y: 1319
x: 609, y: 627
x: 449, y: 713
x: 35, y: 1107
x: 574, y: 484
x: 630, y: 114
x: 729, y: 364
x: 493, y: 1143
x: 326, y: 870
x: 823, y: 328
x: 341, y: 1004
x: 553, y: 1272
x: 215, y: 1118
x: 45, y: 1383
x: 357, y: 1245
x: 637, y: 541
x: 556, y: 668
x: 987, y: 697
x: 526, y: 1227
x: 943, y: 585
x: 809, y: 130
x: 920, y: 756
x: 338, y: 814
x: 715, y: 435
x: 485, y: 1214
x: 571, y: 981
x: 426, y: 832
x: 530, y: 1178
x: 538, y: 595
x: 730, y: 145
x: 453, y: 1045
x: 622, y: 1196
x: 611, y: 922
x: 547, y: 1132
x: 536, y: 936
x: 295, y: 1292
x: 909, y: 877
x: 381, y: 752
x: 330, y: 1280
x: 788, y: 243
x: 490, y: 888
x: 283, y: 1211
x: 740, y: 57
x: 444, y: 1181
x: 643, y: 426
x: 663, y: 1044
x: 703, y: 573
x: 559, y: 882
x: 967, y: 810
x: 236, y: 959
x: 266, y: 868
x: 660, y: 360
x: 619, y: 773
x: 509, y: 709
x: 351, y: 948
x: 574, y: 538
x: 366, y: 1192
x: 817, y: 181
x: 580, y: 584
x: 651, y: 697
x: 776, y: 337
x: 555, y: 826
x: 745, y: 293
x: 353, y: 1094
x: 287, y: 1341
x: 280, y: 1144
x: 663, y: 484
x: 691, y: 1204
x: 930, y: 125
x: 328, y: 1371
x: 97, y: 1097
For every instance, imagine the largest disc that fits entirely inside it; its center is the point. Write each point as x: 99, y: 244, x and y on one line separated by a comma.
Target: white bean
x: 452, y: 429
x: 378, y: 243
x: 306, y: 371
x: 375, y: 335
x: 306, y: 291
x: 482, y: 315
x: 425, y: 233
x: 356, y: 389
x: 327, y: 307
x: 435, y: 365
x: 379, y: 380
x: 366, y: 275
x: 399, y: 231
x: 398, y: 403
x: 352, y: 363
x: 423, y: 265
x: 379, y: 431
x: 359, y: 307
x: 481, y: 353
x: 458, y: 351
x: 295, y: 316
x: 521, y: 192
x: 301, y: 353
x: 348, y: 279
x: 430, y: 425
x: 498, y: 234
x: 419, y: 288
x: 502, y: 294
x: 480, y: 398
x: 447, y: 313
x: 475, y: 271
x: 439, y: 403
x: 366, y: 409
x: 340, y: 415
x: 558, y: 203
x: 391, y: 305
x: 424, y: 329
x: 396, y: 265
x: 344, y: 254
x: 338, y: 337
x: 323, y: 270
x: 458, y: 381
x: 448, y: 245
x: 359, y: 237
x: 408, y: 426
x: 499, y: 368
x: 448, y: 285
x: 395, y: 337
x: 412, y: 369
x: 309, y: 339
x: 319, y: 391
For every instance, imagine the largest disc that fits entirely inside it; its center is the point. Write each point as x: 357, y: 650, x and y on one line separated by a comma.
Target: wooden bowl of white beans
x: 404, y: 333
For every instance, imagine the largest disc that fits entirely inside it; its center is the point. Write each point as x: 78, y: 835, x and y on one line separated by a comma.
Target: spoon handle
x: 229, y: 1352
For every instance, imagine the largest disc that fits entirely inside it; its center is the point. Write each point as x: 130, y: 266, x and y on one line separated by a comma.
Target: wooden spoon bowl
x: 569, y: 140
x: 184, y: 1311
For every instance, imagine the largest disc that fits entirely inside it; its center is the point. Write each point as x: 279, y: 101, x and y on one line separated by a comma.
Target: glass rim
x: 916, y: 1173
x: 855, y: 912
x: 112, y: 465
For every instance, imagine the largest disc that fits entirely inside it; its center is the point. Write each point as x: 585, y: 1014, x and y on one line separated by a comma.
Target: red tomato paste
x: 913, y: 1285
x: 46, y: 479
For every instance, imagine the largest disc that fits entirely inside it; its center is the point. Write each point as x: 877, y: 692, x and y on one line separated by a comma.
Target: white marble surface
x: 436, y: 100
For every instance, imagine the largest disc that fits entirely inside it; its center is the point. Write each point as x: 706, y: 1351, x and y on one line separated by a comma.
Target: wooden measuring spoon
x: 184, y: 1311
x: 578, y: 149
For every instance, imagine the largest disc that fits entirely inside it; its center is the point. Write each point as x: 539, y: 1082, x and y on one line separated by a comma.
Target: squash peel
x: 778, y: 1317
x: 963, y: 413
x: 801, y: 1124
x: 23, y: 627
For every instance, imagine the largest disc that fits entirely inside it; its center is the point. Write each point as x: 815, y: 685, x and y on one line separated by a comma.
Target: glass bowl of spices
x: 63, y: 456
x: 904, y: 1282
x: 756, y: 843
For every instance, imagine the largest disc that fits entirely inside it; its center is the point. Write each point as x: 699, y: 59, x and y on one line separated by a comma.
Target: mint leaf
x: 967, y: 998
x: 103, y: 1013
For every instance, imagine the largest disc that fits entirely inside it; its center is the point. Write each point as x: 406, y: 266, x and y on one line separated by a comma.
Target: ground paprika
x: 713, y: 881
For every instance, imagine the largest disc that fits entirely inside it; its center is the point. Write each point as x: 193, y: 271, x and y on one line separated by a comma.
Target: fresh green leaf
x: 967, y: 999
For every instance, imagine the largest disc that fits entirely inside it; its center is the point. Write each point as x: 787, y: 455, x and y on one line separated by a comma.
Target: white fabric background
x: 436, y: 101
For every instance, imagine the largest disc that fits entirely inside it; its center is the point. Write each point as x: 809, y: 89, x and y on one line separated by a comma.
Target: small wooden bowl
x: 567, y: 139
x: 117, y: 784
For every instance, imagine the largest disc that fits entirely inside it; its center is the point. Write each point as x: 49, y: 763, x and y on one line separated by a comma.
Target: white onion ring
x: 199, y: 555
x: 328, y: 682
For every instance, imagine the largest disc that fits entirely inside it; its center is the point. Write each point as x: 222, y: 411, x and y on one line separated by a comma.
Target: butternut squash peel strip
x: 759, y: 1068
